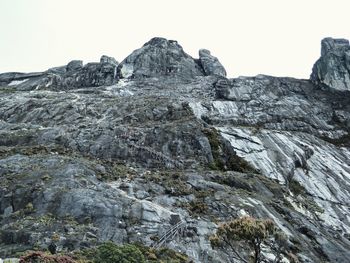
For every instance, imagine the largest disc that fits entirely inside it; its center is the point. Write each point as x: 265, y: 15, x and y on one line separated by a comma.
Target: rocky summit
x: 163, y: 148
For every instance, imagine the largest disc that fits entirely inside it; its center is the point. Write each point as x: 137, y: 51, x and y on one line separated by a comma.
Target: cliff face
x: 161, y: 141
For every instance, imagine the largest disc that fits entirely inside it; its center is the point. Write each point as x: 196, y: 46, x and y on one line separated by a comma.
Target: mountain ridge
x: 128, y: 150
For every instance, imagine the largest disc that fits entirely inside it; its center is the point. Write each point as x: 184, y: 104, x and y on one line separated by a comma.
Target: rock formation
x: 333, y: 67
x: 159, y: 57
x: 211, y: 64
x: 164, y: 143
x: 73, y: 75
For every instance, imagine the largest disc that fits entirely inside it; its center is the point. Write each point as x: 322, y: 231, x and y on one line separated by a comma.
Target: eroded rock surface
x: 168, y: 142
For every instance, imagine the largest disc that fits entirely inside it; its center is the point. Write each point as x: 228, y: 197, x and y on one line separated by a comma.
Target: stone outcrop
x: 73, y: 75
x: 333, y: 67
x: 127, y: 159
x: 108, y: 60
x: 211, y: 65
x: 74, y: 65
x: 158, y: 58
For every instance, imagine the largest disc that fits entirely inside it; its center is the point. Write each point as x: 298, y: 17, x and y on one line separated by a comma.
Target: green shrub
x: 250, y: 231
x: 112, y: 253
x: 162, y: 255
x: 198, y: 207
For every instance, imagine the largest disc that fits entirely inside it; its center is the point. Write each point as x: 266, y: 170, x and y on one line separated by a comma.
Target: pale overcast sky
x: 274, y: 37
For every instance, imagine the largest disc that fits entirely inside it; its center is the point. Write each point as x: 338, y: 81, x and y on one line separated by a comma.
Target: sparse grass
x: 117, y: 171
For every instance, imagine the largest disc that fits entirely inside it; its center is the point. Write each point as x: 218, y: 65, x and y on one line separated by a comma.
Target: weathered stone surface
x: 211, y: 64
x: 333, y: 67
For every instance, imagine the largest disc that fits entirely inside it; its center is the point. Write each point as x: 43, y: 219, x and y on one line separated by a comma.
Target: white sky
x: 274, y: 37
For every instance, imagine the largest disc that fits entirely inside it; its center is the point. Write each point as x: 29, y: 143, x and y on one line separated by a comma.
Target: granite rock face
x: 129, y: 157
x: 333, y: 67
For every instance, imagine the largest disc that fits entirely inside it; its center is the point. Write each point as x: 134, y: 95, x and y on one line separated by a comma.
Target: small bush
x: 162, y: 255
x: 112, y: 253
x: 198, y: 207
x: 252, y: 232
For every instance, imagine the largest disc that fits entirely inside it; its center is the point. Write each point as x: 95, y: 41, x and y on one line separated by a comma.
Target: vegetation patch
x: 12, y: 180
x: 112, y: 253
x: 33, y: 150
x: 296, y: 188
x: 117, y: 171
x: 7, y: 90
x: 162, y: 255
x: 174, y: 182
x: 343, y: 141
x: 251, y: 183
x: 128, y: 253
x: 308, y: 202
x: 197, y: 207
x: 42, y: 257
x: 244, y: 237
x: 224, y: 158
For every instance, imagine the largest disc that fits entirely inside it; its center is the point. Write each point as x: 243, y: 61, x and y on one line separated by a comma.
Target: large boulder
x: 157, y: 58
x: 333, y: 67
x: 211, y: 65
